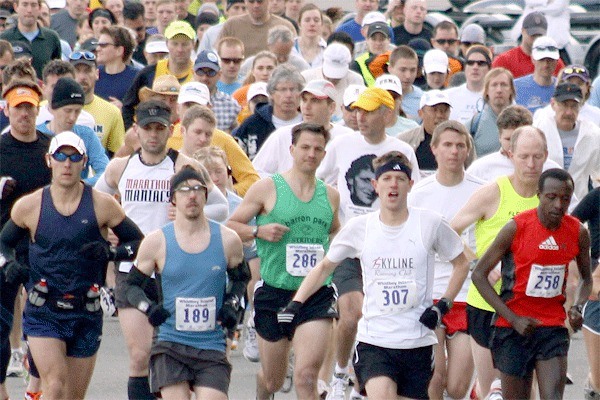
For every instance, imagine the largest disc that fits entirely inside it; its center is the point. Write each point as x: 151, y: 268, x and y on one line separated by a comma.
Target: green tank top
x: 285, y: 263
x: 511, y: 203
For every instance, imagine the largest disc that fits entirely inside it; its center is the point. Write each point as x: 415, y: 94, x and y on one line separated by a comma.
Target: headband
x: 185, y: 174
x: 393, y: 165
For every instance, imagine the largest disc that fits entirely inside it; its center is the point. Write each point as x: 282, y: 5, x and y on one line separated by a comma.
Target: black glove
x: 228, y: 314
x: 98, y: 251
x: 286, y: 317
x: 9, y: 187
x: 15, y: 273
x: 432, y: 316
x: 157, y: 314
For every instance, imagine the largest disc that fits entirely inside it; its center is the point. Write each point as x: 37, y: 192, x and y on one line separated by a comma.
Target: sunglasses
x: 190, y: 189
x: 208, y: 72
x: 446, y: 41
x: 86, y: 55
x: 480, y: 63
x: 575, y: 70
x: 231, y: 60
x: 62, y: 157
x: 103, y: 45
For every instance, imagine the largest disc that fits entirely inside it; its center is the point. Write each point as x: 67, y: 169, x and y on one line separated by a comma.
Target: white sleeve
x: 328, y: 170
x: 266, y: 161
x: 446, y: 241
x: 348, y: 241
x: 216, y: 207
x: 102, y: 186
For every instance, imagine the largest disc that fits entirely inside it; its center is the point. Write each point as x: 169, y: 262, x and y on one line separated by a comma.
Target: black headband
x: 185, y: 174
x: 393, y: 165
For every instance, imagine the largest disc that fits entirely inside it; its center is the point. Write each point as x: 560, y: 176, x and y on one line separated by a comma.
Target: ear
x: 47, y: 157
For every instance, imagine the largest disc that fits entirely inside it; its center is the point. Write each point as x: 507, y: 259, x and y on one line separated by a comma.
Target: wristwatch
x: 255, y: 231
x: 143, y: 306
x: 578, y: 307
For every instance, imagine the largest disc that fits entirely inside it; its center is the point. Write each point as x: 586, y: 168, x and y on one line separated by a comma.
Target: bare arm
x: 234, y: 252
x: 596, y: 289
x: 482, y: 204
x: 334, y: 200
x: 314, y: 280
x: 151, y: 253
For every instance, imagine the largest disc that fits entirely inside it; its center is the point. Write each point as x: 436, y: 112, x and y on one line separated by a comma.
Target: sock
x: 17, y: 349
x: 496, y: 385
x: 138, y: 388
x: 354, y: 393
x: 342, y: 370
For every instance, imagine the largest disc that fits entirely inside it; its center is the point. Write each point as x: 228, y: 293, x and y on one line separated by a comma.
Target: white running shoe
x: 354, y: 395
x: 496, y: 391
x: 322, y: 389
x: 251, y: 343
x: 288, y: 383
x: 339, y: 384
x: 15, y: 365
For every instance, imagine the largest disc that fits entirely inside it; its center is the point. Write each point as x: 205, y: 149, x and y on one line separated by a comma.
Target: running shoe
x: 15, y: 365
x: 251, y: 343
x: 322, y: 389
x: 496, y: 391
x: 107, y: 301
x: 288, y: 383
x: 354, y: 395
x: 33, y: 396
x: 339, y: 384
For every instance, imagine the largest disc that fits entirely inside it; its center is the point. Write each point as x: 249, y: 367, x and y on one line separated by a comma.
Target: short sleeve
x: 349, y: 240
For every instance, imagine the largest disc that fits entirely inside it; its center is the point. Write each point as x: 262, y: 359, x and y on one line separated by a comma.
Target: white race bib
x: 195, y: 314
x: 395, y: 296
x: 545, y: 281
x: 301, y: 258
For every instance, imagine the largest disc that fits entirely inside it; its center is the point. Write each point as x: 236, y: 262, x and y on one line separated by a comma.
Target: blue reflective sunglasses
x: 87, y: 55
x: 62, y: 157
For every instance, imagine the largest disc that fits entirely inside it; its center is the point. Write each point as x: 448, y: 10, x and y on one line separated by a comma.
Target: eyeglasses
x: 480, y: 63
x: 102, y: 45
x: 62, y: 157
x: 190, y: 189
x: 546, y: 48
x: 232, y: 60
x: 206, y: 71
x: 87, y: 55
x: 469, y: 44
x: 446, y: 41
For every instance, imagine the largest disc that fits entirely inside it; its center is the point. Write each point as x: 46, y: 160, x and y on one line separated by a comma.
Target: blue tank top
x: 55, y: 253
x: 193, y: 287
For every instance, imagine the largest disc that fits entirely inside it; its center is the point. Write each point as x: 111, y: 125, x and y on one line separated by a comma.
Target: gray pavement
x: 110, y: 377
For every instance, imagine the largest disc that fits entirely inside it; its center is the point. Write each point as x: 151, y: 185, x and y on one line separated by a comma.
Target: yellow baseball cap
x: 372, y: 98
x: 180, y: 28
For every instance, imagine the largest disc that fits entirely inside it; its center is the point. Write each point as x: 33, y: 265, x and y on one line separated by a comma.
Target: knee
x: 139, y: 358
x: 272, y: 384
x: 458, y: 390
x: 305, y: 379
x: 438, y: 379
x: 349, y: 314
x: 55, y: 386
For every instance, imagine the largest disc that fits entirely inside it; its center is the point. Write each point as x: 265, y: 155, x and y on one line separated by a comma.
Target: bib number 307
x: 195, y: 314
x: 301, y: 258
x: 545, y: 280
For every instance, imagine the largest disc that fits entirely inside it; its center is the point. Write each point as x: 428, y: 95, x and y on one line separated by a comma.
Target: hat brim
x: 77, y: 149
x: 334, y: 72
x: 584, y: 78
x: 436, y: 103
x: 366, y: 105
x: 182, y: 99
x: 386, y: 33
x: 83, y: 61
x: 317, y: 93
x: 23, y: 99
x: 566, y: 97
x: 442, y: 69
x: 541, y: 54
x: 536, y: 30
x: 207, y: 65
x: 148, y: 120
x: 146, y: 93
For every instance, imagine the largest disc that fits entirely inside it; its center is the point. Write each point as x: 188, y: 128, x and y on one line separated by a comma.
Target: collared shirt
x: 226, y: 110
x: 45, y: 46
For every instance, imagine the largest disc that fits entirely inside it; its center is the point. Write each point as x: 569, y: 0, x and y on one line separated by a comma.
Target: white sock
x: 496, y: 384
x: 354, y: 393
x: 341, y: 370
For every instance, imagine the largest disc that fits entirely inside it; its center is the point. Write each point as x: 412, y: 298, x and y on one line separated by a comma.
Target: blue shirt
x: 410, y: 103
x: 228, y: 88
x: 531, y: 95
x: 114, y: 85
x: 352, y: 28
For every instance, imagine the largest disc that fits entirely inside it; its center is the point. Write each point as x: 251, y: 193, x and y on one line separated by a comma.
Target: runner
x: 62, y: 319
x: 195, y: 257
x: 535, y: 248
x: 394, y: 350
x: 296, y: 215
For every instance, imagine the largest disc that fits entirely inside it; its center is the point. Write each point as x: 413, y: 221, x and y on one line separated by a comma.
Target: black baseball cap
x: 568, y: 91
x: 152, y: 111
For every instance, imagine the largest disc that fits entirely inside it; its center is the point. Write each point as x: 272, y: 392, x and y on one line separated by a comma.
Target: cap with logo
x: 67, y: 92
x: 22, y: 94
x: 336, y: 61
x: 351, y: 93
x: 321, y: 89
x: 435, y: 60
x: 535, y: 23
x: 21, y: 49
x: 568, y: 91
x: 166, y: 85
x: 257, y: 89
x: 68, y: 139
x: 544, y: 47
x: 378, y: 27
x: 195, y: 92
x: 372, y: 98
x: 152, y: 111
x: 472, y: 33
x: 207, y: 59
x: 433, y: 98
x: 180, y: 28
x: 577, y: 71
x: 389, y: 82
x: 372, y: 17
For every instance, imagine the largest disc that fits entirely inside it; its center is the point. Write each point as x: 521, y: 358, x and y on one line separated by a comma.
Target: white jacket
x: 586, y: 155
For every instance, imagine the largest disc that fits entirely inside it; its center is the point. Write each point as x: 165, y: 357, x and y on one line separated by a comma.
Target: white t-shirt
x: 430, y: 194
x: 348, y: 166
x: 274, y: 155
x: 397, y: 265
x: 494, y: 165
x: 465, y: 103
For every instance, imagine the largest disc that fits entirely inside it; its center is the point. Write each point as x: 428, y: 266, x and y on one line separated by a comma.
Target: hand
x: 575, y: 318
x: 272, y: 232
x: 432, y: 316
x: 97, y: 251
x: 494, y: 276
x: 9, y: 186
x: 15, y: 273
x: 525, y: 326
x: 228, y: 314
x: 286, y: 317
x: 157, y: 314
x: 115, y: 102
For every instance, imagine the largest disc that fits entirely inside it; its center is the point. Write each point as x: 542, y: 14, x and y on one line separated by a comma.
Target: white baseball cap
x: 544, y: 47
x: 351, y: 93
x: 321, y: 89
x: 433, y: 98
x: 195, y: 92
x: 257, y: 89
x: 372, y: 17
x: 67, y: 138
x: 159, y: 46
x: 336, y: 61
x: 389, y: 82
x: 435, y: 60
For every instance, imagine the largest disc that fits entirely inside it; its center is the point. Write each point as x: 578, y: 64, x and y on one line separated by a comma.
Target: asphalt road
x: 110, y: 377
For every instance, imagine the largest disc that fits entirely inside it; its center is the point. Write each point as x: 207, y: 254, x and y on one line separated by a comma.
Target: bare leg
x: 138, y: 337
x: 592, y: 345
x: 486, y: 373
x: 552, y: 377
x: 439, y: 378
x: 350, y: 307
x: 80, y: 374
x: 50, y: 356
x: 178, y: 391
x: 309, y: 358
x: 381, y: 387
x: 516, y: 388
x: 273, y: 367
x: 460, y: 366
x: 209, y: 393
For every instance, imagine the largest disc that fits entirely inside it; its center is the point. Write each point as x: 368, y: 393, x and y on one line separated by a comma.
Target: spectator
x: 470, y: 35
x: 116, y: 7
x: 404, y: 63
x: 378, y: 42
x: 99, y: 19
x: 231, y: 54
x: 210, y: 37
x: 435, y: 68
x: 64, y: 22
x: 353, y: 26
x: 398, y: 122
x: 413, y: 26
x: 310, y: 45
x: 133, y: 18
x: 156, y: 49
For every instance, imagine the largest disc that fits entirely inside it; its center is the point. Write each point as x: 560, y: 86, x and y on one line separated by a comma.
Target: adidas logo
x: 549, y: 244
x: 397, y: 167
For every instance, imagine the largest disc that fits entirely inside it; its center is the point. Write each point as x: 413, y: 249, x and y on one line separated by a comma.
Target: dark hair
x: 445, y: 26
x: 403, y: 51
x: 343, y: 38
x: 5, y: 46
x: 133, y: 10
x: 58, y: 68
x: 312, y: 128
x: 122, y: 38
x: 309, y: 7
x: 555, y: 173
x: 101, y: 12
x: 22, y: 83
x: 513, y: 117
x: 392, y: 155
x: 19, y: 68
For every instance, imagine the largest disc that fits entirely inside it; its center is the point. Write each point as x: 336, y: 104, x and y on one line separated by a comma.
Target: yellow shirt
x: 109, y: 123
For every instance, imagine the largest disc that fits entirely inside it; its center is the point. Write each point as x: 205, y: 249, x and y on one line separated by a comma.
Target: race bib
x: 395, y: 296
x: 545, y: 280
x: 301, y: 258
x: 195, y: 314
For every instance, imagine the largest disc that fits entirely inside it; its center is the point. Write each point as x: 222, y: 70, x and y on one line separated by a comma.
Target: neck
x: 542, y: 80
x: 25, y: 138
x: 66, y: 194
x: 393, y: 119
x: 565, y: 126
x: 523, y: 189
x: 376, y: 138
x: 151, y: 158
x: 89, y: 97
x: 552, y: 226
x: 449, y: 178
x: 56, y: 127
x: 27, y: 29
x: 408, y: 89
x: 190, y: 226
x: 305, y: 41
x: 394, y: 217
x: 285, y: 115
x: 413, y: 28
x: 302, y: 180
x: 228, y: 80
x: 526, y: 50
x: 497, y: 109
x: 178, y: 69
x: 261, y: 20
x: 114, y: 67
x: 475, y: 86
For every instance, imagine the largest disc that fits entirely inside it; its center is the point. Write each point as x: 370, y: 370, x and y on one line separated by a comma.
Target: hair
x: 364, y: 162
x: 514, y: 139
x: 450, y: 125
x: 260, y: 55
x: 312, y: 128
x: 309, y: 7
x: 555, y: 173
x: 161, y: 2
x: 57, y: 68
x: 205, y: 155
x: 493, y: 73
x: 93, y: 15
x: 513, y: 117
x: 481, y: 49
x: 391, y: 155
x: 19, y: 68
x: 285, y: 73
x: 122, y: 38
x: 335, y: 14
x: 444, y: 26
x: 343, y: 38
x: 5, y: 46
x: 230, y: 41
x: 403, y: 51
x: 279, y: 33
x: 17, y: 2
x: 133, y: 10
x: 198, y: 112
x: 17, y: 82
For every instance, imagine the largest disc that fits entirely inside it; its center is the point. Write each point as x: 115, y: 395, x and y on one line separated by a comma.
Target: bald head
x: 530, y: 134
